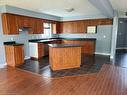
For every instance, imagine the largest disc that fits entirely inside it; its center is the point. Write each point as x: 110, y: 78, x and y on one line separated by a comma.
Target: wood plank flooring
x: 110, y: 80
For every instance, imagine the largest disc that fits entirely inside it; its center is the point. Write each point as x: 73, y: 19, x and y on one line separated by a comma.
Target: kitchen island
x: 64, y: 56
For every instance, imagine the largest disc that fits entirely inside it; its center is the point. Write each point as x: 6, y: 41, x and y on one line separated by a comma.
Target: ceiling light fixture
x: 70, y: 9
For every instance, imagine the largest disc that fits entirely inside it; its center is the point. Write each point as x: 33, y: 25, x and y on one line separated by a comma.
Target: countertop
x: 63, y: 45
x: 17, y: 44
x: 43, y: 40
x: 55, y: 39
x: 82, y: 39
x: 12, y: 43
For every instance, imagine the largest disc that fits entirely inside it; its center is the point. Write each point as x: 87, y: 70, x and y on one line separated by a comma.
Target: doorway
x: 121, y: 45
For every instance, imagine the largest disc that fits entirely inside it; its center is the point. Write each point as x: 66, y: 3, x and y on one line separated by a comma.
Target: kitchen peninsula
x: 40, y: 48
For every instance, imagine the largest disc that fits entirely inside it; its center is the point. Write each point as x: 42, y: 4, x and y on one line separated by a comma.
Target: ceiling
x: 58, y: 7
x: 119, y: 5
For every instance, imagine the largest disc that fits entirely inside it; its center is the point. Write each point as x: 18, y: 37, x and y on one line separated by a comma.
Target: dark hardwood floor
x: 121, y: 59
x: 89, y: 64
x: 110, y: 80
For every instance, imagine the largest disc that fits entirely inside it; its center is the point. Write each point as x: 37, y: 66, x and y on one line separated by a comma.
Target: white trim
x: 26, y: 57
x: 111, y: 57
x: 102, y: 53
x: 122, y: 48
x: 3, y: 65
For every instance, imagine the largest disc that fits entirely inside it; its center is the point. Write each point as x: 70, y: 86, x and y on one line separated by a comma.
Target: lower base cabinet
x: 36, y: 50
x: 88, y: 46
x: 14, y: 55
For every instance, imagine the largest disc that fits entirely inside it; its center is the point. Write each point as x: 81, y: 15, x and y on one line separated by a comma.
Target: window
x: 47, y: 28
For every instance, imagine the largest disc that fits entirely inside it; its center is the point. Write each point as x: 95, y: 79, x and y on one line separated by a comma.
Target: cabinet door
x: 39, y: 26
x: 80, y: 27
x: 89, y: 47
x: 58, y: 27
x: 9, y: 52
x: 40, y: 50
x: 9, y: 24
x: 19, y: 55
x: 20, y: 21
x: 54, y: 31
x: 26, y: 21
x: 32, y: 25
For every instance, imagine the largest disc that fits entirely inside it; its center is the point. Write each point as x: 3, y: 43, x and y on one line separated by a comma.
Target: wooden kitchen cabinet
x: 12, y: 23
x: 14, y: 55
x: 32, y: 25
x: 37, y: 50
x: 26, y: 21
x: 20, y: 21
x: 9, y: 24
x: 88, y: 46
x: 64, y: 57
x: 80, y: 26
x: 40, y: 50
x: 39, y: 26
x: 23, y: 21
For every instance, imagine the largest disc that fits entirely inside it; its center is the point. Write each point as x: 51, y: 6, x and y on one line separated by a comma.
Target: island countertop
x: 63, y: 45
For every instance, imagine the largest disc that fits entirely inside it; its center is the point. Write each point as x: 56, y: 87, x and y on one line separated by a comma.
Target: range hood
x: 24, y: 29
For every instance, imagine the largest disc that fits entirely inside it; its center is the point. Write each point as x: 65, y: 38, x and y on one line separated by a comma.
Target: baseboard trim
x: 120, y: 48
x: 26, y: 57
x: 3, y: 65
x: 108, y: 54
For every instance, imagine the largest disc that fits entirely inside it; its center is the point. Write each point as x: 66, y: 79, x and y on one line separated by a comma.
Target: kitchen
x: 54, y: 32
x: 63, y: 47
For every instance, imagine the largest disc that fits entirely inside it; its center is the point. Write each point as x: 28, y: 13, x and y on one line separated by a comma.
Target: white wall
x: 114, y: 37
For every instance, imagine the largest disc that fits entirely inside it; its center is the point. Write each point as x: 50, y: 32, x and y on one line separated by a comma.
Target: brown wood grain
x: 41, y: 50
x: 18, y: 55
x: 9, y: 24
x: 64, y: 58
x: 111, y: 80
x: 14, y: 55
x: 12, y: 23
x: 88, y: 46
x: 80, y: 26
x: 39, y: 26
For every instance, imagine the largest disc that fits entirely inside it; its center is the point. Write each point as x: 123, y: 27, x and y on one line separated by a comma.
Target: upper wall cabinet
x: 81, y: 26
x: 56, y: 27
x: 9, y: 24
x: 39, y: 26
x: 12, y: 23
